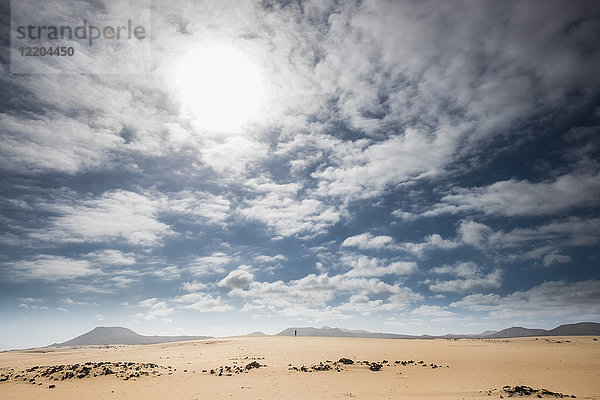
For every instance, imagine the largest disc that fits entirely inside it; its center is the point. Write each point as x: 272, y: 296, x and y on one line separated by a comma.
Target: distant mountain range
x: 104, y: 335
x: 579, y: 329
x: 339, y: 332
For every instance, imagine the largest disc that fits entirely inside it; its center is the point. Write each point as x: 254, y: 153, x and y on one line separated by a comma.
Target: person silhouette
x: 295, y: 332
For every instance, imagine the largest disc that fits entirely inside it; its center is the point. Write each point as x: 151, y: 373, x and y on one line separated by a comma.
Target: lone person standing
x: 295, y: 332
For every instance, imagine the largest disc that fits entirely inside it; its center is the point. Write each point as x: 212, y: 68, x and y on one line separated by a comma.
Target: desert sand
x: 450, y: 369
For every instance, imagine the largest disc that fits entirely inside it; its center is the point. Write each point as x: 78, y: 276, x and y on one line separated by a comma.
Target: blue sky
x: 414, y: 167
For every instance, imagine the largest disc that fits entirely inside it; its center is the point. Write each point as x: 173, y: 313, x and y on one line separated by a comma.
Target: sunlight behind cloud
x: 219, y: 87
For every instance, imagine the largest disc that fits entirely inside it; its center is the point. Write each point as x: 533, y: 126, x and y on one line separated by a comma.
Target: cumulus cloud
x: 234, y: 154
x: 238, y: 278
x: 116, y: 215
x: 314, y: 292
x: 154, y: 309
x: 542, y: 243
x: 553, y: 298
x: 367, y: 241
x: 432, y: 242
x: 432, y: 311
x: 197, y: 206
x: 518, y: 198
x: 202, y: 302
x: 471, y: 279
x: 270, y: 259
x: 368, y: 267
x: 193, y: 286
x: 289, y: 215
x: 369, y: 169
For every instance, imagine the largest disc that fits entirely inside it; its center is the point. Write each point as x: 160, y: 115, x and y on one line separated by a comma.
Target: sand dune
x: 449, y: 369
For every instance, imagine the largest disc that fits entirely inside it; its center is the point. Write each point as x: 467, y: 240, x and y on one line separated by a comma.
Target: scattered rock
x: 375, y: 367
x: 81, y: 371
x: 253, y: 364
x: 528, y: 391
x: 346, y: 361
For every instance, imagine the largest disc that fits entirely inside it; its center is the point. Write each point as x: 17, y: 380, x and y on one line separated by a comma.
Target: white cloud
x: 270, y: 259
x: 290, y: 216
x: 516, y: 198
x: 368, y: 267
x: 369, y: 168
x: 471, y: 278
x: 366, y: 241
x: 30, y: 300
x: 121, y: 281
x: 542, y: 243
x: 154, y: 309
x: 213, y: 264
x: 53, y: 142
x: 167, y: 273
x: 555, y: 258
x: 198, y: 206
x: 193, y: 286
x: 361, y: 303
x: 113, y: 257
x: 79, y: 303
x: 432, y: 311
x: 238, y: 278
x: 326, y: 313
x: 313, y: 292
x: 53, y: 268
x: 554, y: 298
x: 474, y: 233
x: 233, y: 154
x: 462, y: 270
x: 434, y: 241
x: 202, y: 302
x: 148, y: 302
x: 115, y: 215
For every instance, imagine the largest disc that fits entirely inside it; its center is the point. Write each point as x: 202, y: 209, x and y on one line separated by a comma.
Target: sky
x: 397, y: 166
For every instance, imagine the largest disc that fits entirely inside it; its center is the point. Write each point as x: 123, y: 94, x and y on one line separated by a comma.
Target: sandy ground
x: 465, y: 369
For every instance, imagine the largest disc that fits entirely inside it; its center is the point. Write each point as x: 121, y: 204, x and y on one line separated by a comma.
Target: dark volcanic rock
x: 528, y: 391
x: 253, y: 364
x: 345, y: 361
x: 375, y: 367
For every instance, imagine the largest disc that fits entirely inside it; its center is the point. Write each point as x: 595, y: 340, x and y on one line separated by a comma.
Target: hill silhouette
x: 578, y: 329
x: 103, y: 335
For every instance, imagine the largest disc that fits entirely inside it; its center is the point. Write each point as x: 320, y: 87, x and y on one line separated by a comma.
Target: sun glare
x: 219, y: 87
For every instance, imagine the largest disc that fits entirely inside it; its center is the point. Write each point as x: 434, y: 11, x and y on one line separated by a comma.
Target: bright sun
x: 219, y: 87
